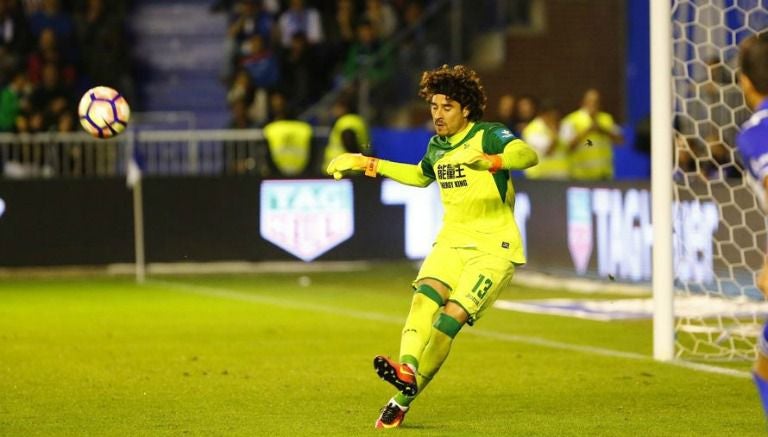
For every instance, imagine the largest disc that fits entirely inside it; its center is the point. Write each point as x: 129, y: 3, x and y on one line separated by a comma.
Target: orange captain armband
x: 496, y: 163
x: 371, y: 167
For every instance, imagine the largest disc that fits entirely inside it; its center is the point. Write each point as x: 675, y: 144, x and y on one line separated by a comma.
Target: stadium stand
x: 179, y: 52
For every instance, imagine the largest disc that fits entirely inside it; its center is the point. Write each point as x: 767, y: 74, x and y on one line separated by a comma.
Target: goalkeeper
x: 752, y: 143
x: 479, y: 245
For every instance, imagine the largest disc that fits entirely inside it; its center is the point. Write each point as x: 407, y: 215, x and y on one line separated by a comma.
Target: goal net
x: 709, y: 188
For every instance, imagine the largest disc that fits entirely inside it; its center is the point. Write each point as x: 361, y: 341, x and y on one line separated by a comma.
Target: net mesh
x: 719, y: 260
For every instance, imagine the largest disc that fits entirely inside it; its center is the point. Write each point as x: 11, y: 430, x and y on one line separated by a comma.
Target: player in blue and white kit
x: 752, y: 143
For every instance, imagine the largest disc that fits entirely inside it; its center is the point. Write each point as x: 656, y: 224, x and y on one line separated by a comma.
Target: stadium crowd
x: 284, y: 56
x: 44, y: 67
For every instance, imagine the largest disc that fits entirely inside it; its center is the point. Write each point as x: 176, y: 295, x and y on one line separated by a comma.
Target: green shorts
x: 475, y: 278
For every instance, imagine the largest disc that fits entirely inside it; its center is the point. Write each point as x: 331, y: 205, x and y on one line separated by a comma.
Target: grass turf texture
x: 262, y: 355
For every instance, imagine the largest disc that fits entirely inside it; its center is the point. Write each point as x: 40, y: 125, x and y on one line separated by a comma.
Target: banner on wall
x: 424, y: 214
x: 583, y: 230
x: 306, y: 217
x: 592, y: 230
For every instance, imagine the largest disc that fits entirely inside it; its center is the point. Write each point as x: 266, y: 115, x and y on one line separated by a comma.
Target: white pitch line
x: 284, y: 303
x: 373, y: 316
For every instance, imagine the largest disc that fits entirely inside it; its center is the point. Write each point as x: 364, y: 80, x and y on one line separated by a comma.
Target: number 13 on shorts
x: 478, y: 289
x: 482, y: 286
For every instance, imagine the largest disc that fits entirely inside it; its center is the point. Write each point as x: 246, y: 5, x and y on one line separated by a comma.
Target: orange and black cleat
x: 399, y: 375
x: 392, y: 415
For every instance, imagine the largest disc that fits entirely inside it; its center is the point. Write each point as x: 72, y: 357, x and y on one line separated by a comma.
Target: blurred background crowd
x: 249, y: 63
x: 51, y: 51
x: 284, y: 57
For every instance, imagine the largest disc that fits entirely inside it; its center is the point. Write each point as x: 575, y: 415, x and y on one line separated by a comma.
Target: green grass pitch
x: 263, y: 355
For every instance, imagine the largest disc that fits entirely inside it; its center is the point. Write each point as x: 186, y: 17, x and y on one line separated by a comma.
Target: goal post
x: 712, y: 313
x: 661, y: 181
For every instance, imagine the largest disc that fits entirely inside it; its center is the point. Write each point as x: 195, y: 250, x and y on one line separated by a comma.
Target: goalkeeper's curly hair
x: 459, y: 83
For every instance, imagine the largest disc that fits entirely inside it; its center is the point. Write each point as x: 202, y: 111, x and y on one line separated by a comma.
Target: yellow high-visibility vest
x: 335, y: 145
x: 592, y: 160
x: 289, y: 143
x: 553, y: 166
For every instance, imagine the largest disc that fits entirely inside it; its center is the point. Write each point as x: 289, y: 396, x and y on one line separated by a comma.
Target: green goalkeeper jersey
x: 478, y: 204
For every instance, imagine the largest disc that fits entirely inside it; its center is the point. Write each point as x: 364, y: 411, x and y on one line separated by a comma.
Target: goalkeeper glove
x: 476, y: 160
x: 352, y: 162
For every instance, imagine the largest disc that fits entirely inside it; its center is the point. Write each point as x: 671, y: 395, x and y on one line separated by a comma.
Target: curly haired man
x: 479, y: 244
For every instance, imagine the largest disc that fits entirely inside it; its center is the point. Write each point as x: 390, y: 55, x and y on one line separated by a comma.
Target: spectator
x: 245, y: 157
x: 66, y: 122
x: 301, y: 78
x: 365, y: 59
x: 11, y: 103
x: 542, y: 133
x: 525, y: 111
x: 49, y: 100
x: 419, y: 51
x: 32, y: 6
x: 259, y: 62
x: 349, y: 133
x: 340, y: 24
x: 506, y: 111
x: 14, y: 35
x: 382, y: 17
x: 255, y: 99
x: 289, y: 141
x: 248, y: 19
x: 279, y: 108
x: 105, y: 62
x: 50, y: 16
x: 590, y: 135
x: 299, y: 18
x: 47, y: 52
x: 239, y: 112
x: 242, y: 88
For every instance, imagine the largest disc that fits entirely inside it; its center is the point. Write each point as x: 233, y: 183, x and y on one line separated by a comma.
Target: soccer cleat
x: 391, y: 416
x: 399, y: 375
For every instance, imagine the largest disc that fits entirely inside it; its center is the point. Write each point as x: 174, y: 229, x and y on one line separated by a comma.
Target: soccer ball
x: 103, y: 112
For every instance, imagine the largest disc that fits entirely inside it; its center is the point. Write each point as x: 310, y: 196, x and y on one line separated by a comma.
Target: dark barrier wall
x: 90, y: 222
x: 600, y: 229
x: 218, y: 219
x: 65, y: 222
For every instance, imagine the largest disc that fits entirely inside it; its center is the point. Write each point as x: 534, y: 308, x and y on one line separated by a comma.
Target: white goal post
x: 697, y: 109
x: 661, y: 182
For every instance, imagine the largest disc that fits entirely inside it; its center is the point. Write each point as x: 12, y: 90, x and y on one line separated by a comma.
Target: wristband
x: 496, y: 163
x: 371, y: 167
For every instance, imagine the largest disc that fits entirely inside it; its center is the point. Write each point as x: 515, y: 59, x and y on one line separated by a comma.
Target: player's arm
x: 518, y: 155
x: 514, y: 155
x: 352, y: 163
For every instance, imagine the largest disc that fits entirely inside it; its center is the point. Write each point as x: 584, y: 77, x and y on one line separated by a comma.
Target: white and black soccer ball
x: 104, y: 112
